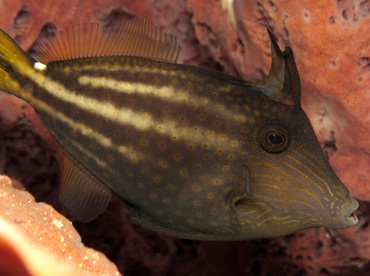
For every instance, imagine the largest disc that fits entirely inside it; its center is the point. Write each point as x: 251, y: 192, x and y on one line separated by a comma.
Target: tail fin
x: 12, y: 58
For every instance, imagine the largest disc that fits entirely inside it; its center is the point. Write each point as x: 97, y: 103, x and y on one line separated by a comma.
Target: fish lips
x: 349, y: 218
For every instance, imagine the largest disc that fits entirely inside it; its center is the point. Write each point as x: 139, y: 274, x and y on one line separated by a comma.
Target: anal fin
x: 84, y: 195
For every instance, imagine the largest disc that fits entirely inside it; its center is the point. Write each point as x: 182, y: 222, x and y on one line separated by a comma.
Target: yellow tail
x: 12, y: 59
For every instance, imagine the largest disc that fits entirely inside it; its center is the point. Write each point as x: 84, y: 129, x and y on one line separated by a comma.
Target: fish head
x: 289, y: 184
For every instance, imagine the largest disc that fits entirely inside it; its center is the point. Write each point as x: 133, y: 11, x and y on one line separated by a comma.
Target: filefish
x: 194, y: 153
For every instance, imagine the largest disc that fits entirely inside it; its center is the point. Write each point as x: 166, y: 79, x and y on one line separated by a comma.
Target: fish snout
x: 348, y: 216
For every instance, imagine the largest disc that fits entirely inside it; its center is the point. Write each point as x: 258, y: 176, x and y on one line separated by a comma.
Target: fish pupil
x: 275, y: 139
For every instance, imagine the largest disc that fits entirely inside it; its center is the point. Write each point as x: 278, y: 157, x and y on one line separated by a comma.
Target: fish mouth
x: 350, y: 217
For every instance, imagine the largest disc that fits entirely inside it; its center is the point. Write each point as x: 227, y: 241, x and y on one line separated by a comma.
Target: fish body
x: 194, y: 153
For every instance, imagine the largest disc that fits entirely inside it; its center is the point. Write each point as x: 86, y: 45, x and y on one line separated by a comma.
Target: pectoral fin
x: 241, y: 191
x: 241, y: 200
x: 84, y: 195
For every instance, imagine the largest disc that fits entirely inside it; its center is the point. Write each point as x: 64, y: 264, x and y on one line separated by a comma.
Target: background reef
x: 331, y: 43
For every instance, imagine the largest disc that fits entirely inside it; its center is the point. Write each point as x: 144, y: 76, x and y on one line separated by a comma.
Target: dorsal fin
x: 137, y: 37
x: 282, y: 84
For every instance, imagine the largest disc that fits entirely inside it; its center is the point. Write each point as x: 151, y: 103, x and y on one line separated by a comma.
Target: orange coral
x: 36, y: 240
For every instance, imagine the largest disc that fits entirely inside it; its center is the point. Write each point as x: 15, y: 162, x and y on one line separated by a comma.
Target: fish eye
x: 274, y: 138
